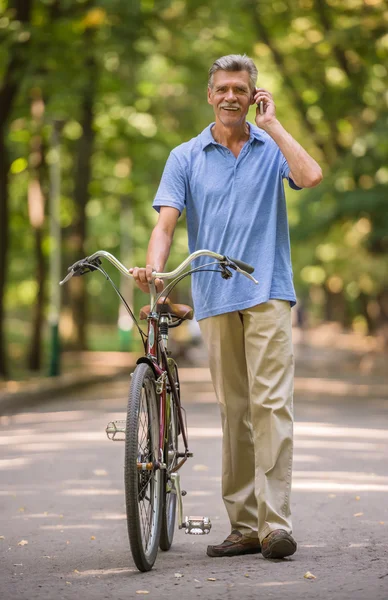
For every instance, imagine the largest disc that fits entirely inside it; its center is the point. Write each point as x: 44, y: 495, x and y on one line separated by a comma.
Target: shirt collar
x: 206, y: 137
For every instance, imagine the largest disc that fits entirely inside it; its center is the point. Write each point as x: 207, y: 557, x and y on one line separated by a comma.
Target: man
x: 230, y: 180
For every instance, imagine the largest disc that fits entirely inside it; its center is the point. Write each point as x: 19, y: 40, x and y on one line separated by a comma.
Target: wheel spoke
x: 145, y: 480
x: 143, y: 487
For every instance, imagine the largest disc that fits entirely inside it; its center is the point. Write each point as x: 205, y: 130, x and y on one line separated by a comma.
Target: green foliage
x: 325, y: 63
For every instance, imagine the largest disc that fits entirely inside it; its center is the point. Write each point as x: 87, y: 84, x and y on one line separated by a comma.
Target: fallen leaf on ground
x: 22, y: 509
x: 61, y: 516
x: 309, y: 575
x: 357, y: 497
x: 200, y: 468
x: 22, y: 543
x: 2, y: 537
x: 142, y: 592
x: 358, y: 514
x: 211, y: 579
x: 67, y: 542
x: 382, y: 522
x: 68, y: 582
x: 197, y: 580
x: 246, y: 575
x: 76, y: 571
x: 92, y: 537
x: 100, y: 472
x: 178, y: 575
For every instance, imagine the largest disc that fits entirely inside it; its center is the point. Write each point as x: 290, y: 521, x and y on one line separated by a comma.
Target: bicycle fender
x: 150, y: 363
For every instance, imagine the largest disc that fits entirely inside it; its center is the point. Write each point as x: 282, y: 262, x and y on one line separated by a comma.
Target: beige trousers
x: 252, y: 368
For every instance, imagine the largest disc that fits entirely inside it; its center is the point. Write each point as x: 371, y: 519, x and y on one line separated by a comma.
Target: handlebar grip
x: 242, y: 265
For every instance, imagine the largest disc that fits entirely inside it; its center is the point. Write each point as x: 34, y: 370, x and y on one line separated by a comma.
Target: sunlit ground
x: 30, y: 440
x: 61, y: 480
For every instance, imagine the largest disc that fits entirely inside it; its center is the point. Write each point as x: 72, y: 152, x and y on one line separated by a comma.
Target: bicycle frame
x: 157, y: 356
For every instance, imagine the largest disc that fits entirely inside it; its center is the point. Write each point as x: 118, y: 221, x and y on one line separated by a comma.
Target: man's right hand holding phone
x: 265, y: 112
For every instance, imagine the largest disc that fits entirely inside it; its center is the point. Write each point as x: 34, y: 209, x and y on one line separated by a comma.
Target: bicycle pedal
x: 197, y: 525
x: 115, y: 430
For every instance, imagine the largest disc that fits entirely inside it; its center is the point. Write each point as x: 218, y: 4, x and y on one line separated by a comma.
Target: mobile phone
x: 259, y: 104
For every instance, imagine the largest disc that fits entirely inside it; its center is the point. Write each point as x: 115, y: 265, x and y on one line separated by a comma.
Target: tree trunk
x: 4, y: 239
x: 336, y: 308
x: 36, y: 215
x: 35, y: 353
x: 8, y: 90
x: 77, y: 289
x: 364, y: 300
x: 382, y: 300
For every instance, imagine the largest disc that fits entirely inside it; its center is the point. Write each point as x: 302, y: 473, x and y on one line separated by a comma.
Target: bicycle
x: 155, y: 430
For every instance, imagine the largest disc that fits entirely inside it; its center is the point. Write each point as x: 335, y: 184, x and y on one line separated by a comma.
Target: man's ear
x: 209, y: 91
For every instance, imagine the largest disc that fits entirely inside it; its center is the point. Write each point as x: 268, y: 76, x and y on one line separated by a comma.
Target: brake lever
x: 247, y: 275
x: 233, y: 266
x: 68, y: 276
x: 81, y: 267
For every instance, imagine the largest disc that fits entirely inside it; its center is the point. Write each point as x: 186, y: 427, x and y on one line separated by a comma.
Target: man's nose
x: 230, y: 95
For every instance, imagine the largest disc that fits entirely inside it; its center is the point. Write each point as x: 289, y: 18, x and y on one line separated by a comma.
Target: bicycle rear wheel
x: 143, y: 488
x: 171, y: 459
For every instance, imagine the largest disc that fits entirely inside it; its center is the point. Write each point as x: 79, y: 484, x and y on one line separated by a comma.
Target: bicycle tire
x: 141, y: 445
x: 168, y: 494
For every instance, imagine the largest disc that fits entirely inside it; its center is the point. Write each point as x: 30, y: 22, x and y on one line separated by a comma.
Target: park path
x: 62, y: 492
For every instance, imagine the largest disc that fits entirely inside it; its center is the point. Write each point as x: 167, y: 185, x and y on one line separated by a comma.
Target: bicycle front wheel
x: 143, y: 488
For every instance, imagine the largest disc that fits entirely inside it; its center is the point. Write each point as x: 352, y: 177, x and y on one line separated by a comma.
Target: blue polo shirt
x: 234, y: 206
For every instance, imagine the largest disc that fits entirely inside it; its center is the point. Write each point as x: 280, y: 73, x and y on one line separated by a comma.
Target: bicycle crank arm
x: 192, y: 525
x: 176, y: 482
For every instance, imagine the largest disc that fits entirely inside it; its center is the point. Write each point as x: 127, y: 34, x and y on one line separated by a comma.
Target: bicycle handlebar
x: 81, y: 266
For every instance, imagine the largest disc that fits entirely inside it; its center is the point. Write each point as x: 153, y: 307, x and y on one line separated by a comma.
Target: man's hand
x: 143, y: 276
x: 304, y: 170
x: 269, y: 113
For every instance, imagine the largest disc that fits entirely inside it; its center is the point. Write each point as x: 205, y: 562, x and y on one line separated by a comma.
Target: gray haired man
x: 230, y: 181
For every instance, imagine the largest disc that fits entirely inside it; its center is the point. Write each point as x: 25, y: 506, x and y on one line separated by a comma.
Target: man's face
x: 230, y: 97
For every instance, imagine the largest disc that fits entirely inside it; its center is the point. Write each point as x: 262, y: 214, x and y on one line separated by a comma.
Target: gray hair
x: 234, y: 62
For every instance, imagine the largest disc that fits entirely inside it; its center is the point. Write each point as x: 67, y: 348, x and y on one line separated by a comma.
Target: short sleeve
x: 172, y: 187
x: 286, y: 174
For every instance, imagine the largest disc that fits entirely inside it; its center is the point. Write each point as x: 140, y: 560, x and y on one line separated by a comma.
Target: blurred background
x: 94, y: 95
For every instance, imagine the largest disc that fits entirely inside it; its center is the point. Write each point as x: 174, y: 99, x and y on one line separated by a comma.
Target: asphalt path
x: 63, y: 526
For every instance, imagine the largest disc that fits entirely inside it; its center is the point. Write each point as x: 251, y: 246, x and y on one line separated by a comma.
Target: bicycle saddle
x: 164, y: 305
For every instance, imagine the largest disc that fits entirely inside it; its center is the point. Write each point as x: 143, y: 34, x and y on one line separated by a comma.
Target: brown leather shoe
x: 278, y: 544
x: 235, y: 545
